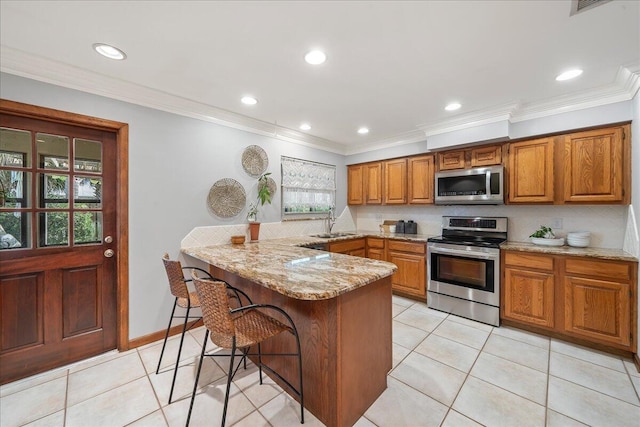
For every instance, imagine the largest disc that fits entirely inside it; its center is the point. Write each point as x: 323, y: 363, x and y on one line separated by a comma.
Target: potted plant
x: 264, y: 196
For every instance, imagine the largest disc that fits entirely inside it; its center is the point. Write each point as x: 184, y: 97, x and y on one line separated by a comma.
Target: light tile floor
x: 448, y: 371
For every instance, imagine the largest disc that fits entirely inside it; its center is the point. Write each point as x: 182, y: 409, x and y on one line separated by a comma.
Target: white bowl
x: 578, y: 242
x: 548, y: 242
x: 586, y: 234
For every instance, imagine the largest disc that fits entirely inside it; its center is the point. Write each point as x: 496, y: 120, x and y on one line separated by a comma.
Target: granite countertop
x: 313, y: 240
x: 602, y: 253
x: 293, y: 271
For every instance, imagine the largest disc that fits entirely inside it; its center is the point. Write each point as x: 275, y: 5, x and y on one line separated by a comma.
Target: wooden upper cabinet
x: 597, y: 166
x: 450, y: 160
x: 373, y: 180
x: 489, y: 155
x: 355, y: 184
x: 395, y: 181
x: 531, y: 171
x: 420, y: 177
x: 486, y: 156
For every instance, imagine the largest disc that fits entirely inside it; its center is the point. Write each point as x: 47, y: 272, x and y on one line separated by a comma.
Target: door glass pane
x: 15, y: 185
x: 87, y: 155
x: 53, y: 190
x: 53, y: 229
x: 87, y: 227
x: 87, y: 192
x: 15, y: 230
x: 53, y: 151
x: 15, y: 148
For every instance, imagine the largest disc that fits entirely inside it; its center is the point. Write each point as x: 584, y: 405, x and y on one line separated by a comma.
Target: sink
x: 331, y: 235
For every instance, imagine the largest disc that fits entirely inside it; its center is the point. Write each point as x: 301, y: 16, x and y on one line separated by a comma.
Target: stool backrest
x: 176, y: 278
x: 215, y: 307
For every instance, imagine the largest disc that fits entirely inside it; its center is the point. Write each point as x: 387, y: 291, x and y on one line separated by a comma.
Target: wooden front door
x: 58, y: 244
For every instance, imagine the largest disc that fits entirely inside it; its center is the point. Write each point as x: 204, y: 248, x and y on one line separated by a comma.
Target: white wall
x: 606, y: 223
x: 173, y: 161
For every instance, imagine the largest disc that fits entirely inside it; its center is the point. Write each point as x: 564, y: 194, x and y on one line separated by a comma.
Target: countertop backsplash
x: 221, y: 234
x: 607, y: 224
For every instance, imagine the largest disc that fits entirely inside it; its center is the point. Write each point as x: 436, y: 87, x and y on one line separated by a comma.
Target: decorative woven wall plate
x: 254, y: 160
x: 226, y: 198
x: 272, y: 186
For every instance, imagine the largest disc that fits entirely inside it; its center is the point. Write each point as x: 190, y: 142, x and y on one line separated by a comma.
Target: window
x: 308, y: 188
x: 51, y: 188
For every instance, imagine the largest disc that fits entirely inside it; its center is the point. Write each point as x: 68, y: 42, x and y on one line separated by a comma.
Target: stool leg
x: 226, y: 395
x: 175, y: 371
x: 260, y: 362
x: 195, y: 384
x: 300, y: 374
x: 166, y: 335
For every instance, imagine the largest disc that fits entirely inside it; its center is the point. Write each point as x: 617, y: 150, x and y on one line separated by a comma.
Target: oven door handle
x: 462, y: 253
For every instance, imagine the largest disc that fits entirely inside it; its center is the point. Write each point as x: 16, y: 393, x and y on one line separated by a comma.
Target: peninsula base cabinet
x: 590, y: 301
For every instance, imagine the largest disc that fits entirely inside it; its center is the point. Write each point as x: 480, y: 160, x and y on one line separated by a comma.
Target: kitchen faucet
x: 330, y: 220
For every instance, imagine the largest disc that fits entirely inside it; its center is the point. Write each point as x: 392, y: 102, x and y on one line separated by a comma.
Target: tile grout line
x: 467, y: 375
x: 155, y: 394
x: 546, y: 397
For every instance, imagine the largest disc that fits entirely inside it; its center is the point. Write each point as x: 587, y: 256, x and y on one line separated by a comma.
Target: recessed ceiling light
x: 109, y: 51
x: 305, y: 126
x: 567, y: 75
x: 363, y: 131
x: 453, y: 106
x: 315, y: 57
x: 249, y: 100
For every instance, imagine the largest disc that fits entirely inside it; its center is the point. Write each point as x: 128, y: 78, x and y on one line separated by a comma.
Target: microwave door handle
x: 488, y: 184
x: 461, y: 253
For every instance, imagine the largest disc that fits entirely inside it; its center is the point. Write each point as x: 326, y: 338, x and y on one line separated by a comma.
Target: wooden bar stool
x: 184, y: 299
x: 241, y: 327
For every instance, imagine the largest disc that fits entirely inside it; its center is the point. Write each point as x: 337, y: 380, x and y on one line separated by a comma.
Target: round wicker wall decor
x: 226, y: 198
x: 254, y: 160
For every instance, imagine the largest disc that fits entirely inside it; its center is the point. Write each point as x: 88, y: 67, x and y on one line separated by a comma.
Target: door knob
x: 108, y: 239
x: 109, y: 253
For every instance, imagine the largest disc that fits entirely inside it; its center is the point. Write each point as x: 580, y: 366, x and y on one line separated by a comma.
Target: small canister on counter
x: 411, y: 227
x: 400, y: 226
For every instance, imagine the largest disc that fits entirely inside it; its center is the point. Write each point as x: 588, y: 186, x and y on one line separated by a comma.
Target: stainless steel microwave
x: 476, y: 186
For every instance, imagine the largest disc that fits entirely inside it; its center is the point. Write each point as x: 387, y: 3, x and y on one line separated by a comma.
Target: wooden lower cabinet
x: 353, y: 247
x: 410, y: 279
x: 529, y: 296
x: 376, y: 248
x: 587, y: 299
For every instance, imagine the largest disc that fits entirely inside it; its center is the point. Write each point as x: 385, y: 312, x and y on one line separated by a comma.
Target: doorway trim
x: 122, y: 195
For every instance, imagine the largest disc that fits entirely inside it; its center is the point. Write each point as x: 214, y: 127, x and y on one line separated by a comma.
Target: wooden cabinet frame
x: 593, y: 300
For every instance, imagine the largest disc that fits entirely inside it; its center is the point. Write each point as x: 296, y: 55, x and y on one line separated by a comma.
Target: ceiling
x: 391, y: 66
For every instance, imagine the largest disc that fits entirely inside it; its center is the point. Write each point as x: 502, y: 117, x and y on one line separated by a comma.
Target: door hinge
x: 624, y: 135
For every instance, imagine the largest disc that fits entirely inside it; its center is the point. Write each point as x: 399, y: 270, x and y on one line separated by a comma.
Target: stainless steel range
x: 463, y: 272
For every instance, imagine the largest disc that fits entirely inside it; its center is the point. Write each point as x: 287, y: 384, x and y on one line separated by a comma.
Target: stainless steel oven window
x: 461, y: 271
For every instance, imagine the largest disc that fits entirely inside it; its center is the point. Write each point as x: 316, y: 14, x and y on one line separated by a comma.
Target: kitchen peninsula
x: 341, y: 306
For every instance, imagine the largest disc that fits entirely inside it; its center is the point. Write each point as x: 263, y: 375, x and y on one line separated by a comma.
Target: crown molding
x: 395, y: 141
x: 13, y: 61
x: 478, y: 118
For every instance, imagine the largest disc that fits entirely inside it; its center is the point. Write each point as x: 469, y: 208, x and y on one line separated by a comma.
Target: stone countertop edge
x: 296, y: 272
x: 601, y: 253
